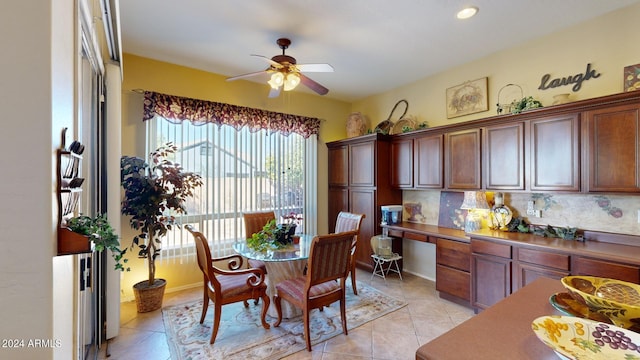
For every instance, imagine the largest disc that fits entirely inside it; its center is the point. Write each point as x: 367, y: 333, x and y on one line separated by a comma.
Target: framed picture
x: 632, y: 77
x: 467, y: 98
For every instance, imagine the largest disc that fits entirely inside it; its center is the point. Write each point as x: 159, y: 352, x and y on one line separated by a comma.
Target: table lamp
x: 474, y: 200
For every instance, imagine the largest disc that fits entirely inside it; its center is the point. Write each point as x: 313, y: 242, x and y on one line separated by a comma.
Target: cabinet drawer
x: 490, y: 248
x: 395, y: 233
x: 602, y: 268
x: 453, y: 282
x: 454, y: 254
x: 543, y: 258
x: 415, y: 236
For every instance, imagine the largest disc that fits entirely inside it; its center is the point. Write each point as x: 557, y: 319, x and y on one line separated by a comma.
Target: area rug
x: 241, y: 336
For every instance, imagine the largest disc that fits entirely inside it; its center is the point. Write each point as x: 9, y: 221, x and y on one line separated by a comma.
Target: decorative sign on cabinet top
x: 576, y: 79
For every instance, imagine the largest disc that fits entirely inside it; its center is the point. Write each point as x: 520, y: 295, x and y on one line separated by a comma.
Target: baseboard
x: 167, y: 291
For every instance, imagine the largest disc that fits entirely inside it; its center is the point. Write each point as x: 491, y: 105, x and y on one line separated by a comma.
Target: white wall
x: 36, y: 103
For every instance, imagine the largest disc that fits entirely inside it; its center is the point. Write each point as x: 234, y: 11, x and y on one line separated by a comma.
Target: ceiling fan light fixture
x: 467, y: 12
x: 292, y: 80
x: 277, y: 79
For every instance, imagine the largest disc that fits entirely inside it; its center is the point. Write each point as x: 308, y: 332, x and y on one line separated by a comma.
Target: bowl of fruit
x: 617, y: 300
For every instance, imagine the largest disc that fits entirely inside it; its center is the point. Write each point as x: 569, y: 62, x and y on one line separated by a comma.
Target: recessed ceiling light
x: 467, y: 12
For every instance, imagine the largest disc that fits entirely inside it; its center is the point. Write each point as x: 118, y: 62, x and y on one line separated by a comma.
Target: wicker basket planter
x: 149, y: 298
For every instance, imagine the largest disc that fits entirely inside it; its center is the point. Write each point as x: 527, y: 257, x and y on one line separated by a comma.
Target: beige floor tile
x: 395, y: 336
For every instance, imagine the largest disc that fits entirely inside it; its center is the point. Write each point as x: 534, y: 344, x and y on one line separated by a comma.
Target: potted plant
x: 99, y: 231
x: 153, y: 194
x: 273, y: 236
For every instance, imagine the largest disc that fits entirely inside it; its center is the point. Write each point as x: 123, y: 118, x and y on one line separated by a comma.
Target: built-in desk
x: 502, y: 331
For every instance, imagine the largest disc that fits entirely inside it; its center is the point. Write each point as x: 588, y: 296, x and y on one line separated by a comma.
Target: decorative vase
x: 560, y: 99
x: 356, y: 125
x: 149, y: 298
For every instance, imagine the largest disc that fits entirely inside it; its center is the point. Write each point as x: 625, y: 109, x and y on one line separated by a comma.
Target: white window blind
x: 242, y: 172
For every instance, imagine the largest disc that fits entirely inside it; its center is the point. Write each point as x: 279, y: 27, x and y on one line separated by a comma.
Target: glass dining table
x: 282, y: 264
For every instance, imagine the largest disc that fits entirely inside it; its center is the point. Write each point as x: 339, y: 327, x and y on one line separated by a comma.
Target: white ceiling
x: 374, y: 45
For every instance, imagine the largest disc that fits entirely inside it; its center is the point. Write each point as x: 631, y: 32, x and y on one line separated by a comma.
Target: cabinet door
x: 613, y: 149
x: 504, y: 157
x: 491, y: 280
x: 526, y: 273
x: 462, y: 159
x: 338, y: 158
x: 362, y: 161
x: 362, y: 201
x: 402, y: 163
x: 338, y: 201
x: 428, y: 162
x: 555, y: 153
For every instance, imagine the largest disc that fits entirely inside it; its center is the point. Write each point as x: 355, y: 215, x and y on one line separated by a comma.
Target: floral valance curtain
x: 176, y: 109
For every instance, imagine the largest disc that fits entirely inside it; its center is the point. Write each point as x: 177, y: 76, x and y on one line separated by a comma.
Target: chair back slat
x: 255, y: 221
x: 329, y: 257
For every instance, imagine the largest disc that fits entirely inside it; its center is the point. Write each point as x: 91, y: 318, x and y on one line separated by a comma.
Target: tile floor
x: 395, y: 336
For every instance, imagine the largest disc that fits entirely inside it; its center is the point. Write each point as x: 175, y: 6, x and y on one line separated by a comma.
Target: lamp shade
x: 291, y: 81
x: 474, y: 200
x: 277, y: 78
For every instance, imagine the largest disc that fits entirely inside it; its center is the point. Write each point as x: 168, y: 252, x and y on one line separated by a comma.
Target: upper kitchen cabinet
x: 428, y: 162
x: 463, y: 160
x: 555, y: 153
x: 612, y: 149
x: 504, y: 157
x: 402, y: 163
x: 417, y: 162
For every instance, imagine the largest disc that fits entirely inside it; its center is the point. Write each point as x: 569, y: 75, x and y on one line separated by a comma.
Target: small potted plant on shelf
x: 99, y: 231
x: 153, y: 195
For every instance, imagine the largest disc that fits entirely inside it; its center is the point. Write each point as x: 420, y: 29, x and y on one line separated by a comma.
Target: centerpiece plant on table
x: 273, y: 236
x: 153, y: 194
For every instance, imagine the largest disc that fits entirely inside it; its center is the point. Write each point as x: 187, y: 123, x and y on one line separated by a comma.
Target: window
x: 242, y: 171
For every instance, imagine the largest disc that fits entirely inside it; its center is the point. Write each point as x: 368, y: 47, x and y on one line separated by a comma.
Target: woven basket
x: 149, y: 298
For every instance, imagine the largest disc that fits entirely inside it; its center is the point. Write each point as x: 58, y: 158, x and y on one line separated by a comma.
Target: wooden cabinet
x: 612, y: 149
x: 453, y: 264
x: 603, y: 268
x: 428, y: 160
x: 402, y: 164
x: 338, y: 158
x: 503, y: 149
x: 530, y: 264
x: 555, y: 153
x: 417, y: 163
x: 463, y: 160
x: 491, y: 273
x: 366, y: 161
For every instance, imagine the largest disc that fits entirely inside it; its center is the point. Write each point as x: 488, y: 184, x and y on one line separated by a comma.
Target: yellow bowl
x: 618, y: 300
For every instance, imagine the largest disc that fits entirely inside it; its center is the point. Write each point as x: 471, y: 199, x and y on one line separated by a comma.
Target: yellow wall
x: 146, y: 74
x: 605, y: 42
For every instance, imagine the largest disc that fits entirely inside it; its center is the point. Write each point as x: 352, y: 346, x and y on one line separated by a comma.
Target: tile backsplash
x: 606, y: 213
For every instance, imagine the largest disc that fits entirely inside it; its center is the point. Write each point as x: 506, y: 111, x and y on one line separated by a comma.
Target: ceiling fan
x: 286, y: 74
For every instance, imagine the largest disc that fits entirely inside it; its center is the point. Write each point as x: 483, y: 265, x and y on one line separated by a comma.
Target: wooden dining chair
x: 227, y: 286
x: 254, y: 222
x: 347, y: 221
x: 328, y: 261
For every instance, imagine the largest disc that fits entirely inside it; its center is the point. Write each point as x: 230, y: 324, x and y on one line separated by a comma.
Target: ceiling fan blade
x: 315, y: 68
x: 275, y: 64
x: 274, y: 93
x: 246, y: 75
x: 313, y: 85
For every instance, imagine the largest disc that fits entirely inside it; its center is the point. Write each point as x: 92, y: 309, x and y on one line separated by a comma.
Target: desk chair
x: 384, y: 258
x: 227, y: 286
